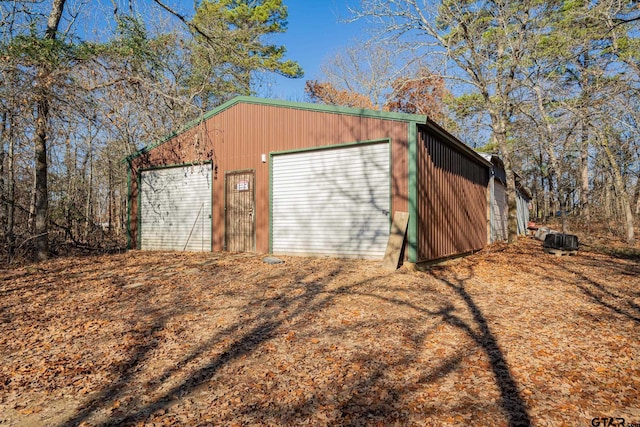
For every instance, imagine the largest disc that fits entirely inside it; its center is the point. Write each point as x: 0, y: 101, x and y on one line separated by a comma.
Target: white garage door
x: 175, y: 208
x: 332, y: 202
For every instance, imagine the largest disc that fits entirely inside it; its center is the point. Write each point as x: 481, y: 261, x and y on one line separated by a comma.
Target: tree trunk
x: 541, y: 193
x: 68, y: 208
x: 41, y: 193
x: 621, y: 193
x: 636, y: 197
x: 545, y: 197
x: 54, y: 19
x: 559, y: 197
x: 3, y: 175
x: 41, y: 198
x: 109, y: 197
x: 7, y: 179
x: 584, y: 176
x: 87, y: 210
x: 111, y: 203
x: 123, y: 209
x: 608, y: 200
x: 548, y: 198
x: 11, y: 193
x: 500, y: 134
x: 32, y: 205
x: 563, y: 213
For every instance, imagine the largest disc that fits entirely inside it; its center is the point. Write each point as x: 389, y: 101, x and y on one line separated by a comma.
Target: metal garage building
x: 267, y: 176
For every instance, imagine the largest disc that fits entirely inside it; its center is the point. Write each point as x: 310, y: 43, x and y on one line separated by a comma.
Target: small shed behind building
x: 498, y: 211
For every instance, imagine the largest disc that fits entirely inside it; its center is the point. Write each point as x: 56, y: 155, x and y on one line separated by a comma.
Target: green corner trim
x: 412, y: 232
x: 129, y: 205
x: 139, y: 215
x: 270, y: 203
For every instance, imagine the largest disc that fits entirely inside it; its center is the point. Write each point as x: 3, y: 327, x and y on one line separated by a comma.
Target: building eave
x: 455, y: 142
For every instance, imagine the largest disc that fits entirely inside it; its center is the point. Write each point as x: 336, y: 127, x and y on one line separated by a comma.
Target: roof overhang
x: 461, y: 146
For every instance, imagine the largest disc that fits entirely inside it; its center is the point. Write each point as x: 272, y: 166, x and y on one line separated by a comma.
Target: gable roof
x: 321, y: 108
x: 418, y: 119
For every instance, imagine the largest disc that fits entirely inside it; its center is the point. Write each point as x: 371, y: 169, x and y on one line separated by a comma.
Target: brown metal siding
x: 236, y: 138
x: 451, y: 199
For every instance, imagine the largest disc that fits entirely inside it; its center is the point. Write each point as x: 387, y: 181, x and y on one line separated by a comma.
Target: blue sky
x: 314, y: 34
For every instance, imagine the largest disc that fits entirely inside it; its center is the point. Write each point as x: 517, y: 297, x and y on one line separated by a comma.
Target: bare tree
x: 379, y: 76
x: 485, y: 42
x: 42, y: 101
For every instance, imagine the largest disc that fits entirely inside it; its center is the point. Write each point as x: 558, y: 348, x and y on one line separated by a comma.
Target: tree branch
x: 184, y: 20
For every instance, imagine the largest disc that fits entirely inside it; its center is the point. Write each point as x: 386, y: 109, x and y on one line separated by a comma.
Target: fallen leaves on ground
x: 507, y: 336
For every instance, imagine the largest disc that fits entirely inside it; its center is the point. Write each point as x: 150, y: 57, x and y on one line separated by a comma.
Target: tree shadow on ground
x: 269, y: 316
x: 512, y: 403
x: 265, y: 321
x: 616, y: 299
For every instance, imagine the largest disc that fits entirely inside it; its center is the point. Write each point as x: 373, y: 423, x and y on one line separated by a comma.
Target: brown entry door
x: 240, y: 211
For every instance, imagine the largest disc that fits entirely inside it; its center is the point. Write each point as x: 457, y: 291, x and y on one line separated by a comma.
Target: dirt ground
x: 508, y: 336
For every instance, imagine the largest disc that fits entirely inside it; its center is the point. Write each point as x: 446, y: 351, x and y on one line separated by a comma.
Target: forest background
x: 550, y: 86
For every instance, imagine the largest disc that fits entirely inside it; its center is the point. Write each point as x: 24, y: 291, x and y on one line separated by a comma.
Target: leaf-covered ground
x: 508, y: 336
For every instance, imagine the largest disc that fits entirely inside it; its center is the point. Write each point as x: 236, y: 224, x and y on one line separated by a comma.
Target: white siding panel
x: 175, y: 208
x: 332, y: 202
x: 499, y: 212
x: 523, y: 212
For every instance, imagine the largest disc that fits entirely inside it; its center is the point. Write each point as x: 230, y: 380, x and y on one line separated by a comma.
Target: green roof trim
x: 404, y: 117
x: 455, y: 142
x: 412, y: 174
x: 321, y: 108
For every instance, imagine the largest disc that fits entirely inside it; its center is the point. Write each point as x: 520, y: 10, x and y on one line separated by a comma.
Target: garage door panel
x: 332, y: 202
x: 176, y: 208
